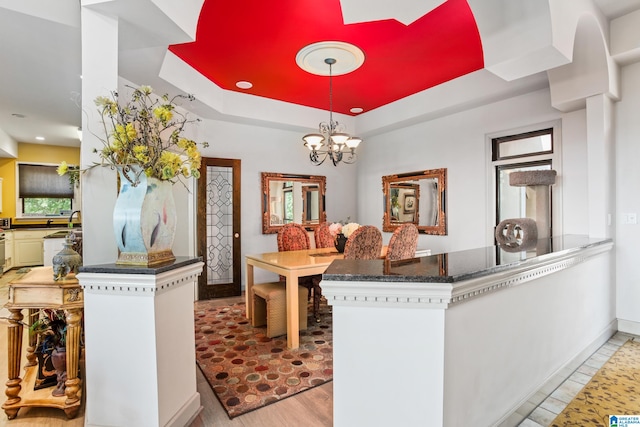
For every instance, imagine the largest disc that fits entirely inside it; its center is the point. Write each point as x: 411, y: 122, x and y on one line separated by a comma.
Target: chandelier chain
x: 330, y: 97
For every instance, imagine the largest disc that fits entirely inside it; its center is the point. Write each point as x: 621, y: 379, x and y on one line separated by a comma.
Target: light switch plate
x: 629, y: 218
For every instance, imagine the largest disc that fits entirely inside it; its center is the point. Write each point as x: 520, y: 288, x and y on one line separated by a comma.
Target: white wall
x: 457, y: 142
x: 263, y: 149
x: 627, y: 236
x: 502, y: 347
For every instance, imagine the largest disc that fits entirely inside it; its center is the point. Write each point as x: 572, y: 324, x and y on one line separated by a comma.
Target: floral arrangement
x: 346, y: 229
x: 349, y: 228
x: 145, y: 131
x: 335, y: 228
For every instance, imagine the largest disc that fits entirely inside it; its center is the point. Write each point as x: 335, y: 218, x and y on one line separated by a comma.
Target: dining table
x: 292, y: 265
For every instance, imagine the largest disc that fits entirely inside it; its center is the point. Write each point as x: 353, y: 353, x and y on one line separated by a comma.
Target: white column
x: 371, y: 321
x: 99, y: 78
x: 600, y: 165
x: 140, y: 345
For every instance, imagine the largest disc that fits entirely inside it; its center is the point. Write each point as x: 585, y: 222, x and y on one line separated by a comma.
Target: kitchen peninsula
x: 492, y: 324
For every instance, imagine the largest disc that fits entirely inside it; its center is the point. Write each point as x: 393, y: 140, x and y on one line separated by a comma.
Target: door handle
x: 236, y: 235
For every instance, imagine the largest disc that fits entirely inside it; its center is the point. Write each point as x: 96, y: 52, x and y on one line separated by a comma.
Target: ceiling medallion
x: 348, y: 58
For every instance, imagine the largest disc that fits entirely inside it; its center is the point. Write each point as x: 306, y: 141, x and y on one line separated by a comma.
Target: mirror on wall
x: 292, y: 198
x: 417, y: 198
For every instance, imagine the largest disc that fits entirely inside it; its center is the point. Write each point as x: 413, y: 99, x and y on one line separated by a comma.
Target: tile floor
x: 558, y: 399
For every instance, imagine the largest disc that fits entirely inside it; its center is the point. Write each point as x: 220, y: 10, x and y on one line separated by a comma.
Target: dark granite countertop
x: 457, y: 266
x: 53, y: 227
x: 135, y: 269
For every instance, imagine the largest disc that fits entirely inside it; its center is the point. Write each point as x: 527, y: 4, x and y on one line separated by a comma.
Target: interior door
x: 218, y: 225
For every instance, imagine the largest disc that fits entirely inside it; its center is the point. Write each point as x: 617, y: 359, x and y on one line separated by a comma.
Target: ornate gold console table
x: 34, y: 291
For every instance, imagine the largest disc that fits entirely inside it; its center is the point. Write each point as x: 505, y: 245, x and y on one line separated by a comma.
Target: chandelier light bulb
x: 353, y: 142
x: 313, y: 141
x: 340, y: 138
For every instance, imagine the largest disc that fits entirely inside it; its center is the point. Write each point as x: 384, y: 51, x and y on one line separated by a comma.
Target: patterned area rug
x: 613, y: 390
x: 248, y: 370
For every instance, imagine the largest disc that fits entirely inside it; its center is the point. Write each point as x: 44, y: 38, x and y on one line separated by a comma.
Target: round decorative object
x: 67, y: 260
x: 341, y: 240
x: 517, y: 233
x: 144, y: 218
x: 347, y: 58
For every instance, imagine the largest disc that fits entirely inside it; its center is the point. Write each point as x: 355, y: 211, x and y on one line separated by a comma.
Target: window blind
x: 38, y: 181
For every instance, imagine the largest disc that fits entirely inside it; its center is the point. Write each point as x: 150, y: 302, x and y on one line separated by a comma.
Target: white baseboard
x: 629, y: 326
x: 187, y: 413
x: 516, y: 416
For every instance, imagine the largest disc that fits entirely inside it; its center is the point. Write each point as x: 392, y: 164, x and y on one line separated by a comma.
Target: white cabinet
x: 51, y: 249
x: 8, y: 250
x: 28, y: 252
x: 28, y: 247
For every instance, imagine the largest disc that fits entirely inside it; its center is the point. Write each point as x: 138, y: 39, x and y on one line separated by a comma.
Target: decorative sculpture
x: 67, y: 260
x: 517, y: 234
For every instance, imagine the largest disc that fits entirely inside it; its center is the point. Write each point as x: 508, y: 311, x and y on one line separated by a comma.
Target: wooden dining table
x: 292, y: 265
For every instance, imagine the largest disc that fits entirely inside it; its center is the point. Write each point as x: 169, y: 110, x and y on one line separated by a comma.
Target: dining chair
x: 294, y: 237
x: 403, y: 242
x: 323, y: 236
x: 364, y: 243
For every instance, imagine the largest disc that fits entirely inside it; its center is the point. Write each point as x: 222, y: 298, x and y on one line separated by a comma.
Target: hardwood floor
x: 312, y: 408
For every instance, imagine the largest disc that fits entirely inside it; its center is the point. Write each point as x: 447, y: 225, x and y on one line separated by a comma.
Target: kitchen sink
x: 61, y: 234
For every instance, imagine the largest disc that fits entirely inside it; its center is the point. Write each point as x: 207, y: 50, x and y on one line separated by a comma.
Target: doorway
x: 218, y: 226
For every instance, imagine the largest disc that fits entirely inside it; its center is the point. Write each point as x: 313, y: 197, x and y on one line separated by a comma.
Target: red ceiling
x: 257, y: 41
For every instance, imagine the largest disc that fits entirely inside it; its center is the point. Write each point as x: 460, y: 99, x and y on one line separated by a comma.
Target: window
x: 42, y: 191
x: 523, y: 145
x: 287, y: 201
x: 288, y: 206
x: 521, y: 152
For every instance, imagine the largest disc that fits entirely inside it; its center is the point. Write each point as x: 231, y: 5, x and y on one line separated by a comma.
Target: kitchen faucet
x: 71, y: 218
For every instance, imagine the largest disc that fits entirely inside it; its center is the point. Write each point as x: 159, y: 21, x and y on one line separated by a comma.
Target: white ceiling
x: 41, y: 67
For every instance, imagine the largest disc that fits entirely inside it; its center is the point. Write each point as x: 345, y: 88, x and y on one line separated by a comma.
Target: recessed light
x: 18, y: 115
x: 356, y: 110
x: 244, y: 85
x: 40, y: 138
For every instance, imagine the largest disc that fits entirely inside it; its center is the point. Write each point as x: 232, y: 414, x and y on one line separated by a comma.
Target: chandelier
x: 332, y: 142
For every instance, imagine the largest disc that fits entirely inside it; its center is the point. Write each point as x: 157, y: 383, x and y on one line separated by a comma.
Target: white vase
x: 144, y: 218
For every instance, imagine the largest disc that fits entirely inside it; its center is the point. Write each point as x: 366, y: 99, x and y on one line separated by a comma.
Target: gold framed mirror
x: 418, y: 198
x: 292, y: 198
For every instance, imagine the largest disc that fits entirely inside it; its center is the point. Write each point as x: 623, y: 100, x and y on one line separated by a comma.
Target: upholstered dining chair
x: 323, y: 236
x: 364, y: 243
x: 403, y: 242
x: 294, y: 237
